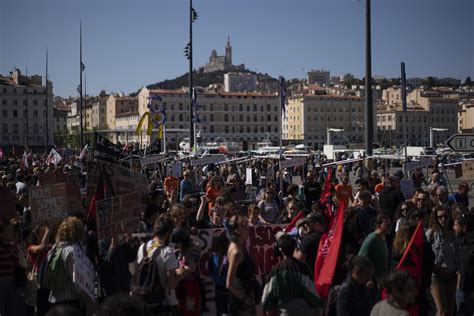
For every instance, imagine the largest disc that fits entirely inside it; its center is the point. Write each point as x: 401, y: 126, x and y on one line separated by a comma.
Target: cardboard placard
x: 408, y: 188
x: 83, y: 272
x: 120, y: 179
x: 48, y: 203
x: 259, y: 245
x: 468, y: 170
x: 73, y: 190
x: 118, y: 215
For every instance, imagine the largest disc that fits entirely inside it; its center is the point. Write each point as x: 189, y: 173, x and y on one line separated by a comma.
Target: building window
x: 5, y: 128
x: 35, y: 128
x: 255, y: 108
x: 15, y: 128
x: 226, y: 129
x: 212, y: 118
x: 5, y: 113
x: 4, y: 101
x: 241, y: 107
x: 15, y: 113
x: 35, y: 102
x: 226, y: 118
x: 15, y: 102
x: 226, y: 107
x: 181, y: 106
x: 180, y: 117
x: 248, y: 108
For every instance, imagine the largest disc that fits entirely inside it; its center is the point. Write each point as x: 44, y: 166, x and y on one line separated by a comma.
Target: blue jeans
x: 11, y: 302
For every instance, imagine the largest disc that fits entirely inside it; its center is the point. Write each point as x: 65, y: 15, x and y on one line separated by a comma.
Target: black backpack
x: 146, y: 283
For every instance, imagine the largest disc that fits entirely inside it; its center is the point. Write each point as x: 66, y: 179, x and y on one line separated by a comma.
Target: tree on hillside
x: 467, y: 82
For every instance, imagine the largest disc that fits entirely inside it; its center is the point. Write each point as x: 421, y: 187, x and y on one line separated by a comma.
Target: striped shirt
x: 8, y: 259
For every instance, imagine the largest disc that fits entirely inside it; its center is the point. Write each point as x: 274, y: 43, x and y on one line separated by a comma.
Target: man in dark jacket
x: 353, y: 295
x: 391, y: 196
x: 312, y: 189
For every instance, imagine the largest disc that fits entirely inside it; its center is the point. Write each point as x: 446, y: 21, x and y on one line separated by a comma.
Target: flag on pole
x: 25, y: 161
x: 292, y: 224
x: 328, y: 253
x: 194, y: 15
x: 102, y: 191
x: 84, y: 152
x: 53, y: 157
x: 83, y: 67
x: 325, y: 198
x: 282, y: 93
x: 412, y: 259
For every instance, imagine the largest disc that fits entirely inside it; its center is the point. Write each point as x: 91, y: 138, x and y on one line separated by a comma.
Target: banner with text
x: 71, y: 180
x: 259, y: 245
x: 48, y: 203
x: 122, y: 179
x: 118, y: 215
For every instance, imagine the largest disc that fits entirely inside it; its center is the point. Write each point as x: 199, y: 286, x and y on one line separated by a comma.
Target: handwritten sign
x: 71, y: 180
x: 468, y: 169
x: 259, y: 245
x: 288, y: 163
x: 208, y: 160
x: 121, y: 179
x: 118, y: 215
x: 83, y: 272
x: 48, y: 203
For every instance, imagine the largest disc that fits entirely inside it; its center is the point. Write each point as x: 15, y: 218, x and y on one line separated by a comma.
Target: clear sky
x: 131, y: 43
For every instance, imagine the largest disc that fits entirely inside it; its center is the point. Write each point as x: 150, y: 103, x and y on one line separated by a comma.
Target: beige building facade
x: 236, y: 116
x: 308, y: 117
x: 466, y: 116
x: 24, y: 114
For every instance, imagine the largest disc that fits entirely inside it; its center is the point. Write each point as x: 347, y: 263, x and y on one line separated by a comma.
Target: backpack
x: 146, y: 283
x: 52, y: 272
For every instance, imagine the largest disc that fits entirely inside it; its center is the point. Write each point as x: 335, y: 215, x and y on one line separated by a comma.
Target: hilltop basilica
x: 222, y: 63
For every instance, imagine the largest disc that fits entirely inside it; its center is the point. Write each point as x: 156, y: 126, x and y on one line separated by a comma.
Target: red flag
x: 292, y: 224
x: 323, y: 199
x: 102, y: 191
x: 411, y: 261
x: 328, y: 253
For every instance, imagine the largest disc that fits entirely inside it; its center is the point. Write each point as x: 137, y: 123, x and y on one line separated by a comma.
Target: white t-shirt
x: 166, y: 262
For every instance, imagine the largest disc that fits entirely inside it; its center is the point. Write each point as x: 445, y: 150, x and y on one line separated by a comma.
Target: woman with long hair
x: 71, y: 233
x: 447, y: 262
x: 213, y: 190
x: 240, y: 279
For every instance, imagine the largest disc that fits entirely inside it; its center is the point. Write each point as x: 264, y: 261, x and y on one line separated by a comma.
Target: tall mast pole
x: 80, y: 85
x: 191, y: 109
x: 369, y: 115
x: 46, y: 130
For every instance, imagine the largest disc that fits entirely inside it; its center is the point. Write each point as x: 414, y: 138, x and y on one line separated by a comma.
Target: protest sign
x: 121, y: 179
x: 248, y: 176
x: 468, y: 169
x: 71, y: 180
x: 105, y: 150
x: 83, y: 272
x: 151, y: 160
x: 408, y: 188
x: 423, y: 163
x: 118, y: 215
x: 259, y: 245
x: 176, y: 170
x: 48, y: 203
x: 293, y: 162
x: 208, y: 160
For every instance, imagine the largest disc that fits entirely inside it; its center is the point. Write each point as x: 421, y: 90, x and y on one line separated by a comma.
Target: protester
x: 312, y: 189
x: 241, y: 273
x: 391, y: 197
x: 353, y: 295
x: 289, y: 287
x: 461, y: 197
x: 344, y: 190
x: 218, y: 267
x: 447, y: 263
x: 375, y: 248
x: 212, y: 192
x: 186, y: 186
x: 401, y: 291
x: 269, y: 209
x: 310, y: 230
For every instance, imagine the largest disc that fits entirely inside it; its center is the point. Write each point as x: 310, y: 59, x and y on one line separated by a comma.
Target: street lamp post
x: 432, y: 130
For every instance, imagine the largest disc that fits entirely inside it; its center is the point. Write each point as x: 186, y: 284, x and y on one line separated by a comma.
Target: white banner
x: 248, y: 176
x: 83, y: 272
x: 293, y: 162
x: 151, y: 160
x: 207, y: 160
x: 423, y: 163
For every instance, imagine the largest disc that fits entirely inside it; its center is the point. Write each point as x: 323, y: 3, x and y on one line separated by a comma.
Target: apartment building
x: 308, y: 117
x: 240, y: 82
x: 246, y: 117
x: 25, y: 118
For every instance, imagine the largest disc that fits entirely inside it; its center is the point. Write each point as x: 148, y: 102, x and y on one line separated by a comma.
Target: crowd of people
x: 156, y: 270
